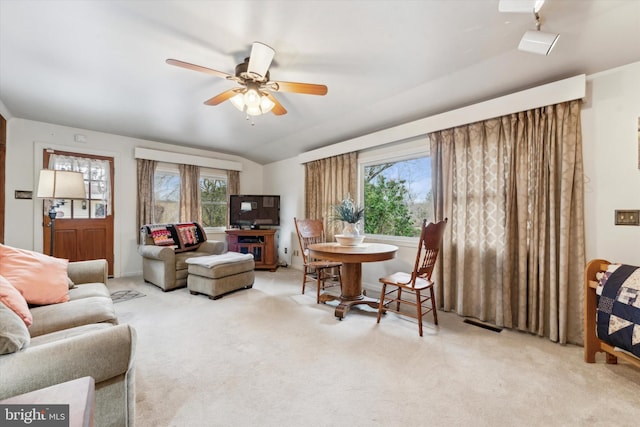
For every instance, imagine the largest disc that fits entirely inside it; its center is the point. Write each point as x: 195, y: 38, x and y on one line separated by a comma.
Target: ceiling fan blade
x: 260, y: 59
x: 220, y: 98
x: 194, y: 67
x: 277, y: 109
x: 307, y: 88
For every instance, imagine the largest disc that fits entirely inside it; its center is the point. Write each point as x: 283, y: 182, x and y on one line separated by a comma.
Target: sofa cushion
x: 84, y: 311
x: 14, y: 335
x: 14, y: 300
x: 67, y: 333
x: 87, y: 290
x: 41, y: 279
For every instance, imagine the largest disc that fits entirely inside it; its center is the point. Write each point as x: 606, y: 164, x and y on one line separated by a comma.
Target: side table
x: 79, y: 394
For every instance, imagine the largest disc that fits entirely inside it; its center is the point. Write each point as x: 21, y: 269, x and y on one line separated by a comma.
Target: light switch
x: 631, y: 217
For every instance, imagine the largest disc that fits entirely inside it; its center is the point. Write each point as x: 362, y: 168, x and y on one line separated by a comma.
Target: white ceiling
x: 100, y: 65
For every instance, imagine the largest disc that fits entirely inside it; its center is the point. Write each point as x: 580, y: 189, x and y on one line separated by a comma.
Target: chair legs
x: 319, y: 284
x: 421, y: 309
x: 321, y: 276
x: 433, y: 305
x: 381, y: 305
x: 304, y: 279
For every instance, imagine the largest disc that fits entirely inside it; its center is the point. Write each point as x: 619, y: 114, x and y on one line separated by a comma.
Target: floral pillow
x: 41, y: 279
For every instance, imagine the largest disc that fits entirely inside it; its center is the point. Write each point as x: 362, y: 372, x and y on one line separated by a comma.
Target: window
x: 96, y: 171
x: 213, y: 196
x: 397, y: 195
x: 166, y: 190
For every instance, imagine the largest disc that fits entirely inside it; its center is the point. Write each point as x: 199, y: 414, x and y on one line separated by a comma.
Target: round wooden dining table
x: 351, y: 258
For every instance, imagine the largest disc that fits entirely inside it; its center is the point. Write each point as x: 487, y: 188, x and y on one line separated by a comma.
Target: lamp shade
x: 54, y: 184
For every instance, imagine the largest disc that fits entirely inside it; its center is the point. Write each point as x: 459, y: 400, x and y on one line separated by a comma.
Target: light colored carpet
x: 269, y: 356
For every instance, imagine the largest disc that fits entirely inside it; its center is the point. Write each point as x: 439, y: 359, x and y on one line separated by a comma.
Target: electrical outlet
x: 628, y: 217
x: 285, y: 250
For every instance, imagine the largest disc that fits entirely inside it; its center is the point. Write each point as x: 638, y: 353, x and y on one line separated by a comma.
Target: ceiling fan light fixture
x: 260, y: 60
x: 253, y: 110
x: 252, y: 98
x: 238, y: 101
x: 266, y: 105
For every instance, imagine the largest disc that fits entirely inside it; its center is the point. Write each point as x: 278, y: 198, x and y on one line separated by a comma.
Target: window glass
x: 213, y: 197
x: 97, y: 180
x: 397, y: 196
x: 166, y: 189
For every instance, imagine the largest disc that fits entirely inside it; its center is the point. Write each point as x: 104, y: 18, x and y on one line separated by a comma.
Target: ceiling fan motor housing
x: 243, y: 74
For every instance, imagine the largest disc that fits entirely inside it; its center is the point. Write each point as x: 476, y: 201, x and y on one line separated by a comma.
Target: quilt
x: 618, y: 315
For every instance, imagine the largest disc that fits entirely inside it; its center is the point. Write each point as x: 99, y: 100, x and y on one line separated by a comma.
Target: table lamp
x: 54, y: 184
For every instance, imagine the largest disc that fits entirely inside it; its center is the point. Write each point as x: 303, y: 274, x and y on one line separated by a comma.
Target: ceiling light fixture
x: 532, y: 41
x: 520, y: 6
x: 538, y: 41
x: 252, y: 101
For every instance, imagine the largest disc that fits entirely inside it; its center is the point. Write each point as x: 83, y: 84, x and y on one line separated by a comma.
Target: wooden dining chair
x: 419, y: 280
x: 325, y: 274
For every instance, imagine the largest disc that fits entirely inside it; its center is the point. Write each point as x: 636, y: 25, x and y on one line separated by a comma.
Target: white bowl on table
x: 345, y: 240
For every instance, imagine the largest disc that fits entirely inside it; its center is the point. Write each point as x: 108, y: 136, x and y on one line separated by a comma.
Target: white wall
x: 286, y: 178
x: 610, y: 144
x: 26, y: 138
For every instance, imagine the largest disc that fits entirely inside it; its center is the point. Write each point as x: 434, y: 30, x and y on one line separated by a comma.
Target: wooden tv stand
x: 260, y: 243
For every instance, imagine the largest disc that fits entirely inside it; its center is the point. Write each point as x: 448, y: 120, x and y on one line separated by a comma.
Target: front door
x: 82, y: 229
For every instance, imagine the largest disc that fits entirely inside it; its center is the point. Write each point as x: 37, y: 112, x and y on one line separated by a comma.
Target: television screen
x: 254, y: 211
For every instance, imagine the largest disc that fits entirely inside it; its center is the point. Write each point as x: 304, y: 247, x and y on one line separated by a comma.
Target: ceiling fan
x: 254, y: 94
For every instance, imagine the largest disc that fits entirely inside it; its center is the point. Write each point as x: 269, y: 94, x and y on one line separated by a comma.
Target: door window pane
x: 97, y: 179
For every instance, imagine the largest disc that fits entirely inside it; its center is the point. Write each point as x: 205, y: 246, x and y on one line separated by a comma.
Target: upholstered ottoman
x: 217, y: 275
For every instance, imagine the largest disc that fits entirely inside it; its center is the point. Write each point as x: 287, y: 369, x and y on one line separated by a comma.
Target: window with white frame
x: 213, y: 196
x: 166, y: 190
x: 396, y: 191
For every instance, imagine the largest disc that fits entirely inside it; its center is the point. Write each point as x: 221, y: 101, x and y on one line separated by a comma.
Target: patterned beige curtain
x: 327, y: 182
x: 144, y: 210
x: 512, y: 188
x: 233, y: 187
x: 190, y: 210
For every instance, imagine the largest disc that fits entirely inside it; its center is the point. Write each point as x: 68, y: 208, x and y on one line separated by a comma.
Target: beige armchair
x: 164, y: 252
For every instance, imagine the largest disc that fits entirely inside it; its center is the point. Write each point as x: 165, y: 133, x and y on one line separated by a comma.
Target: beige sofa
x: 165, y: 266
x: 75, y: 339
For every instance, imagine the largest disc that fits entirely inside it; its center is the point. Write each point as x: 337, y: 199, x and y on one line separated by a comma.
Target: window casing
x: 395, y: 190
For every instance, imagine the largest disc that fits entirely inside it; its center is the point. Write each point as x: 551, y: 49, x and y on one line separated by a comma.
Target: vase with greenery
x: 350, y: 214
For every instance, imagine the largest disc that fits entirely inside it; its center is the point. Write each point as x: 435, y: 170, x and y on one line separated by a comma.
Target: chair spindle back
x: 428, y: 249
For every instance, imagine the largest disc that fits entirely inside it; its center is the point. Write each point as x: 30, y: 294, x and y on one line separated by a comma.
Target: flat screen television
x: 254, y: 211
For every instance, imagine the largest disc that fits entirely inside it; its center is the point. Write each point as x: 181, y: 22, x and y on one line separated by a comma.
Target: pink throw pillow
x: 12, y: 298
x: 41, y: 279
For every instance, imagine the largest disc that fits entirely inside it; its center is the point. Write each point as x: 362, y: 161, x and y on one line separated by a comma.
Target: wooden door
x: 83, y: 229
